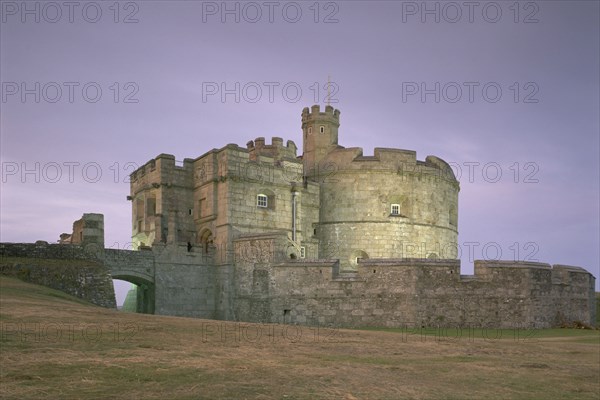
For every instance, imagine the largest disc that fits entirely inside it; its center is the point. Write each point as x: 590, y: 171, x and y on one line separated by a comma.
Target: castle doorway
x: 138, y: 297
x: 206, y: 240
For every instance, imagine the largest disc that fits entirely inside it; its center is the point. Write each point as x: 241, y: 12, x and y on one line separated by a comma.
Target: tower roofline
x: 315, y: 113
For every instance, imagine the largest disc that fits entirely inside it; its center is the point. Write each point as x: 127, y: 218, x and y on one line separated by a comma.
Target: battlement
x: 555, y: 274
x: 163, y: 164
x: 482, y: 265
x: 487, y: 270
x: 314, y: 113
x: 387, y: 155
x: 276, y: 149
x: 399, y: 161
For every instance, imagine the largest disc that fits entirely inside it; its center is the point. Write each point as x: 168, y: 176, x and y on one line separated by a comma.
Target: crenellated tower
x: 320, y: 136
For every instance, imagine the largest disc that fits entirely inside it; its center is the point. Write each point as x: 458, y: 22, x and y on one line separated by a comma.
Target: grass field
x: 55, y: 347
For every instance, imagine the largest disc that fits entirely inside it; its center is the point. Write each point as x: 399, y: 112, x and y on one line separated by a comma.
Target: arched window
x: 322, y: 129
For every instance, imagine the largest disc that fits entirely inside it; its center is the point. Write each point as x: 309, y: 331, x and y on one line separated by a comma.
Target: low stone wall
x: 42, y: 249
x: 84, y: 279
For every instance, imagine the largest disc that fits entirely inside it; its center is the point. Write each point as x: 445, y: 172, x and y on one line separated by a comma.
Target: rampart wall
x: 405, y: 292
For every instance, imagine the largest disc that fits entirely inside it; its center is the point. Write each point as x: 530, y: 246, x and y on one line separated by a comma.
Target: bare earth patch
x: 53, y: 347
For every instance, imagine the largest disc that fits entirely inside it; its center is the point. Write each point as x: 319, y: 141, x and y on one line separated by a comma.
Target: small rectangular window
x: 139, y: 208
x: 201, y: 208
x: 150, y: 207
x: 261, y: 200
x: 395, y: 209
x: 302, y: 252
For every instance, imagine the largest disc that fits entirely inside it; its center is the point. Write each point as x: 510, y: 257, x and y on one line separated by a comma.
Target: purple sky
x: 542, y: 56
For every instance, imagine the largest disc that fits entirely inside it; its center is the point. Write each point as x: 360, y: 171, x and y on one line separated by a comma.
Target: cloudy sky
x: 507, y: 93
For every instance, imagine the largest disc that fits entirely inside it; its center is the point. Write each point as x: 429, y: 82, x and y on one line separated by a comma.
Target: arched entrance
x: 206, y: 240
x: 144, y: 293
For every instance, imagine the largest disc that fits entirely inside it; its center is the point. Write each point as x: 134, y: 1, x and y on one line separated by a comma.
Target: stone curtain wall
x: 72, y: 269
x: 414, y: 292
x: 42, y: 249
x: 264, y: 285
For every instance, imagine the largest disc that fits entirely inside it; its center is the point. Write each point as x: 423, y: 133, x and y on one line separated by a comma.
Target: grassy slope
x: 51, y: 348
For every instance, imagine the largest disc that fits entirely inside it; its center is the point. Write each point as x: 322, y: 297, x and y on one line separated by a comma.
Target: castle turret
x: 320, y: 136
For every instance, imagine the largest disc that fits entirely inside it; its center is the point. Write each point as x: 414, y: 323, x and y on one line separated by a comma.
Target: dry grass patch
x: 55, y: 347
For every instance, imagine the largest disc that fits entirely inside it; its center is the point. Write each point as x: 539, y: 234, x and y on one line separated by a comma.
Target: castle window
x: 310, y: 130
x: 139, y: 208
x: 201, y: 208
x: 302, y: 252
x: 265, y: 199
x: 453, y: 216
x: 262, y: 200
x: 395, y: 209
x: 322, y: 129
x: 150, y: 206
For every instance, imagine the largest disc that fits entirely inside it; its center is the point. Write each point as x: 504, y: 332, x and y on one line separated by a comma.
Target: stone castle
x: 329, y: 203
x: 330, y: 237
x: 334, y: 237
